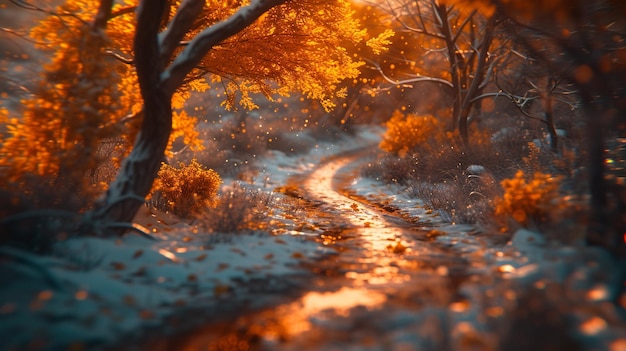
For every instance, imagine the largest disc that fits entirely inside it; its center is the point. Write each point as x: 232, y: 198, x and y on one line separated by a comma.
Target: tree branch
x: 193, y: 53
x: 178, y: 27
x: 146, y: 45
x: 104, y: 12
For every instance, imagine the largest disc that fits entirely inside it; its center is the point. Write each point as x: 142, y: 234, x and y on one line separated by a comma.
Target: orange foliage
x: 73, y: 107
x: 560, y: 10
x: 528, y: 200
x: 85, y: 94
x: 406, y: 133
x: 188, y: 189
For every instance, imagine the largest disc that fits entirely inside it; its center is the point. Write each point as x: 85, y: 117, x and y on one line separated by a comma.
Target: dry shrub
x: 186, y: 190
x: 528, y: 199
x: 109, y: 155
x: 237, y: 210
x: 406, y: 131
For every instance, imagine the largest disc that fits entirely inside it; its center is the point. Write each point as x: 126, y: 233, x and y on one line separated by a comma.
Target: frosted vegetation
x: 313, y: 175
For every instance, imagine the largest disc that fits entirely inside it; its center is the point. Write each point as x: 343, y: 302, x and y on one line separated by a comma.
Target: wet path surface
x: 390, y: 281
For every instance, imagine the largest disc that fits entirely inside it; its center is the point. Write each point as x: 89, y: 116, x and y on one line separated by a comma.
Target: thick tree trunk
x: 127, y: 192
x: 158, y: 81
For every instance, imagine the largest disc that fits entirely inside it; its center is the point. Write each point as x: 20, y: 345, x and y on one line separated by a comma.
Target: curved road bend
x: 386, y: 273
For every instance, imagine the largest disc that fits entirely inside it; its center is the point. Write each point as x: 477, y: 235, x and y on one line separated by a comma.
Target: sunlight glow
x: 296, y: 317
x: 593, y: 326
x: 507, y: 268
x: 169, y: 255
x: 598, y: 293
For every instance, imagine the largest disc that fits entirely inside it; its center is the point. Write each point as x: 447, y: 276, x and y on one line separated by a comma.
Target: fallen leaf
x: 297, y: 255
x: 138, y: 253
x: 141, y: 271
x: 269, y: 256
x: 434, y: 233
x: 129, y: 300
x: 201, y: 257
x: 118, y: 266
x: 146, y: 314
x: 221, y: 289
x: 280, y: 241
x: 238, y: 250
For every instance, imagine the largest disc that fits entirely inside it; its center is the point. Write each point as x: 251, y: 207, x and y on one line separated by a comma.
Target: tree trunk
x: 597, y: 231
x: 457, y: 95
x: 479, y: 73
x: 158, y: 81
x: 128, y: 191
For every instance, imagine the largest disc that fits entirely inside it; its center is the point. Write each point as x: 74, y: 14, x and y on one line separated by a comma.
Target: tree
x: 263, y: 46
x: 581, y: 42
x: 466, y: 39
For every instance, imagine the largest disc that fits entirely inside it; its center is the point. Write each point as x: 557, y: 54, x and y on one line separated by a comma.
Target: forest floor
x: 350, y: 264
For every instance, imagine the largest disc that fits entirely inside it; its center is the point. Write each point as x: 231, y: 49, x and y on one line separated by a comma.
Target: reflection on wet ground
x: 385, y: 269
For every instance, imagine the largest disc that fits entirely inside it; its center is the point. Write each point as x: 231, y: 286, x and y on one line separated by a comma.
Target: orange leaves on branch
x: 187, y: 189
x: 86, y: 95
x: 527, y: 200
x: 73, y: 107
x: 380, y: 43
x: 184, y: 126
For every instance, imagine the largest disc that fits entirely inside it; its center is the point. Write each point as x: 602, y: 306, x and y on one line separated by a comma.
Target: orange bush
x: 405, y: 132
x: 186, y: 190
x: 528, y: 200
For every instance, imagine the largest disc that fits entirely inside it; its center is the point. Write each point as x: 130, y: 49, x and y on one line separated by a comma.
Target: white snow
x: 96, y: 290
x: 93, y: 291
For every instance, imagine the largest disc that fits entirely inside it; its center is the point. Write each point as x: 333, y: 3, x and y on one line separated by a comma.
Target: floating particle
x: 598, y: 293
x: 81, y: 295
x: 593, y: 326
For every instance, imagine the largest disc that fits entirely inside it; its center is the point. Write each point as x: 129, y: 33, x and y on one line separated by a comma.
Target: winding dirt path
x: 388, y: 277
x: 385, y: 271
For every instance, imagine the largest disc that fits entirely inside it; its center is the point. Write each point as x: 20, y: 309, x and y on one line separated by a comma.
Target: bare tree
x: 467, y: 42
x: 582, y: 42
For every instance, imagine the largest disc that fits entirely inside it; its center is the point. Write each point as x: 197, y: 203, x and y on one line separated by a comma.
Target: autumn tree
x: 465, y: 39
x: 584, y: 43
x: 162, y: 50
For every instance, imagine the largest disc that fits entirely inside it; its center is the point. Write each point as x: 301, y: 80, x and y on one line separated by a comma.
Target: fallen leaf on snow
x: 129, y: 300
x: 201, y: 258
x: 118, y: 266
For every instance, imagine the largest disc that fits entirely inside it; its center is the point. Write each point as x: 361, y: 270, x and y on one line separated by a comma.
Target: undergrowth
x: 186, y: 190
x: 501, y: 181
x: 237, y: 209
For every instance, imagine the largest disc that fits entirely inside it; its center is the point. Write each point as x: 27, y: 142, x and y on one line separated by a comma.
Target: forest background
x: 505, y: 114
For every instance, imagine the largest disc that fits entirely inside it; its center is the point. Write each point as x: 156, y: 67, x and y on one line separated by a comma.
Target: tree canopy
x: 89, y: 90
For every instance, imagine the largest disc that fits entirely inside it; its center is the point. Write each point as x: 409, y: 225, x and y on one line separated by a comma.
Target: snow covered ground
x: 92, y: 291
